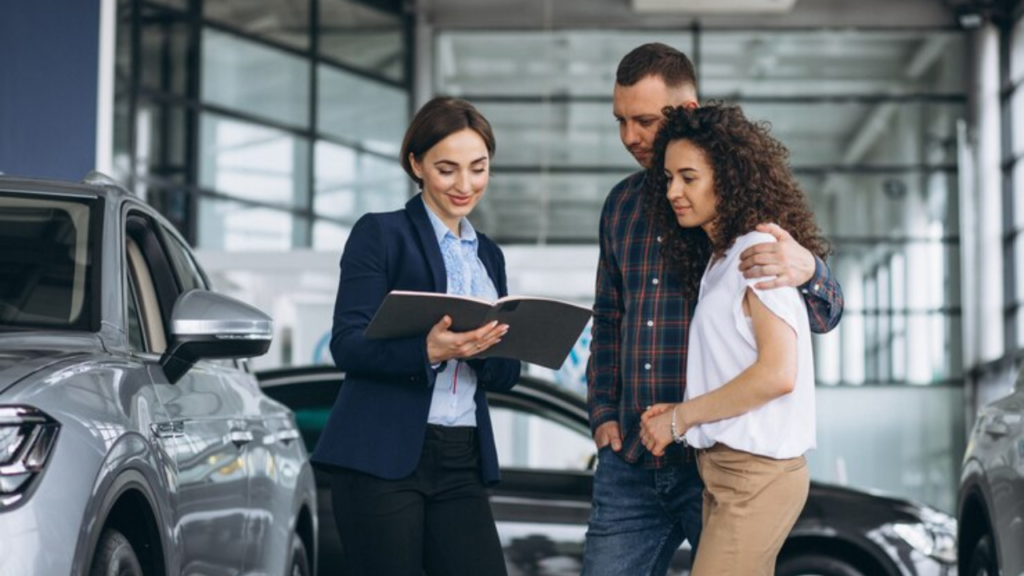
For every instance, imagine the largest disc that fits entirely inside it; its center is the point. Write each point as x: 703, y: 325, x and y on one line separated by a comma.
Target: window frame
x: 179, y: 186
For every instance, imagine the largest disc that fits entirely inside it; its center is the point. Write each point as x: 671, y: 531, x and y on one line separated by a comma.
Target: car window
x: 150, y: 317
x: 133, y: 323
x: 526, y: 436
x: 48, y: 262
x: 311, y: 401
x: 539, y: 441
x: 184, y: 265
x: 143, y: 230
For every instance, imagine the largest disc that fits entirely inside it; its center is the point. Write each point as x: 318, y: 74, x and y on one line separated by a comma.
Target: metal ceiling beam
x: 927, y: 54
x: 618, y: 14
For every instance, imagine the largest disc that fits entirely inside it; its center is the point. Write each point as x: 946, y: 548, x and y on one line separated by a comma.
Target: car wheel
x: 115, y: 556
x: 815, y: 565
x: 299, y: 565
x: 983, y: 559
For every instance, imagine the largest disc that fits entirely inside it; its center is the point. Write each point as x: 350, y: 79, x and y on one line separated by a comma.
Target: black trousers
x: 436, y: 521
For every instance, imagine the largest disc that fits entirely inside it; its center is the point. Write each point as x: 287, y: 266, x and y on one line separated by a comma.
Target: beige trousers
x: 750, y: 504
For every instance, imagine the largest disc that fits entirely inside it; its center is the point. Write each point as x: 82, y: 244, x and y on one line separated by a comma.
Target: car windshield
x: 46, y: 263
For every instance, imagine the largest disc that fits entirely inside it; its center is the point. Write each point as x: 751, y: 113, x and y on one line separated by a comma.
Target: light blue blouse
x: 452, y: 403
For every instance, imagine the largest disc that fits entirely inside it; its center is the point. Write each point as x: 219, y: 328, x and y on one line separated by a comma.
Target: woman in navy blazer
x: 409, y: 441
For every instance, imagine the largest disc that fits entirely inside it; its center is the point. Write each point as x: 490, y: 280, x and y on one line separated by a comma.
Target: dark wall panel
x: 49, y: 52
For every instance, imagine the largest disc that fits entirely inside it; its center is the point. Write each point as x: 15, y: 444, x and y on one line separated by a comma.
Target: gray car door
x: 271, y: 462
x: 204, y: 432
x: 274, y: 461
x: 273, y: 457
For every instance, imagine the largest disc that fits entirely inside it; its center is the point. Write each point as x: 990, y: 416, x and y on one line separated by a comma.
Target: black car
x: 543, y: 501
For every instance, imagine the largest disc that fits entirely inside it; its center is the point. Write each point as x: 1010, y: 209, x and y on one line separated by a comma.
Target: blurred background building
x: 264, y: 129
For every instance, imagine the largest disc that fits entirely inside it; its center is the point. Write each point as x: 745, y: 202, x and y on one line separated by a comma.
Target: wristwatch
x: 676, y: 436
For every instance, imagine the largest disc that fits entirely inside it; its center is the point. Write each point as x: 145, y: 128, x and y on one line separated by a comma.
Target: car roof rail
x: 97, y: 178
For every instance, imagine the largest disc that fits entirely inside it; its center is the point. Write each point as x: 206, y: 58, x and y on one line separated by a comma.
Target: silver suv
x: 132, y: 438
x: 991, y: 500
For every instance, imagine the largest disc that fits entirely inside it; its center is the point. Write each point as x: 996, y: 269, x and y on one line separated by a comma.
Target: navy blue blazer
x: 379, y: 419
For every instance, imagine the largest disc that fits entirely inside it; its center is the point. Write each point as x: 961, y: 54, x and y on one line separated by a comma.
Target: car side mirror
x: 207, y: 325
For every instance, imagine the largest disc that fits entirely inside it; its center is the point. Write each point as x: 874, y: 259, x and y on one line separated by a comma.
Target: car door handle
x: 286, y: 437
x: 996, y: 427
x: 240, y: 437
x: 172, y: 429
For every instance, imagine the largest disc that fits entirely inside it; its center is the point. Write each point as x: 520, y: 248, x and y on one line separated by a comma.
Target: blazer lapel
x: 417, y: 213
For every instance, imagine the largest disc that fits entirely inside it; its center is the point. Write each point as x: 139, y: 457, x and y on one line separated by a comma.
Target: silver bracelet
x: 676, y: 436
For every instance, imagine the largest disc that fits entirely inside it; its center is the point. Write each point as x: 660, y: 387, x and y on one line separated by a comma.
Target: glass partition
x: 215, y: 101
x: 572, y: 63
x: 362, y: 112
x: 361, y: 36
x: 284, y: 22
x: 350, y: 183
x: 911, y: 447
x: 234, y: 226
x: 257, y: 80
x: 253, y: 162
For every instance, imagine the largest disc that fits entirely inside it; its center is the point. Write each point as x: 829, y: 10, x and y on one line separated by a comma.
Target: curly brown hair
x: 752, y: 184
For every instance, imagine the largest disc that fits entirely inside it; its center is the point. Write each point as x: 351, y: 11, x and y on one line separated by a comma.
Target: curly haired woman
x: 749, y: 402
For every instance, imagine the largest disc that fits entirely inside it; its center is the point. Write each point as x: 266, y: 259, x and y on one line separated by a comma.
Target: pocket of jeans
x: 723, y: 475
x: 729, y: 461
x: 603, y: 454
x: 794, y: 464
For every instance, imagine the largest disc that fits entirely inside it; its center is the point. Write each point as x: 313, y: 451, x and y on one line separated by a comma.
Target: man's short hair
x: 656, y: 59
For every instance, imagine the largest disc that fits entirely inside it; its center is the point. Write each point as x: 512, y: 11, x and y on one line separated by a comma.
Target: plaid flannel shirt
x: 641, y: 323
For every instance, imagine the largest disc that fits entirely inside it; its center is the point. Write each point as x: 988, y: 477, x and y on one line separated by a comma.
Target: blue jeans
x: 640, y: 517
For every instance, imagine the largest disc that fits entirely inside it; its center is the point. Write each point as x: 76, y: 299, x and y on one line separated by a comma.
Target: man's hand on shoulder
x: 784, y: 262
x: 608, y: 434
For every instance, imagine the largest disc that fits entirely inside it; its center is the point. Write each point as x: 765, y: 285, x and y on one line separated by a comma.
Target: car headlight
x: 934, y: 535
x: 27, y: 436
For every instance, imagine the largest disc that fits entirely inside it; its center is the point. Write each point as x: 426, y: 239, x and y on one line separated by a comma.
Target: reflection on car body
x: 991, y: 497
x: 130, y: 440
x: 542, y: 504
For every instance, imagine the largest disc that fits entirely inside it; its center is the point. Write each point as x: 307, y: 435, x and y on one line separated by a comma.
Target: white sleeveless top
x: 722, y: 345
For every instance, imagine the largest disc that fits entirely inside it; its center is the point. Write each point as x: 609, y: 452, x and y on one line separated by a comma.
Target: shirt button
x: 650, y: 323
x: 647, y: 366
x: 654, y: 281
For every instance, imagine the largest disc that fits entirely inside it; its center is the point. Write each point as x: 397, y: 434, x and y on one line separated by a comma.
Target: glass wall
x: 259, y: 125
x: 1013, y: 172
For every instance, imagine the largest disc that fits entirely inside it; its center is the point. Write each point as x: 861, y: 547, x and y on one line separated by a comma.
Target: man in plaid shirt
x: 645, y: 506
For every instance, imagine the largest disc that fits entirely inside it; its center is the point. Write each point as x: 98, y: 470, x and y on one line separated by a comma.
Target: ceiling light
x: 970, y: 20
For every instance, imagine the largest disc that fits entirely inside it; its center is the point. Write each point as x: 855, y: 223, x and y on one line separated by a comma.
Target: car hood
x: 830, y: 500
x: 24, y: 353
